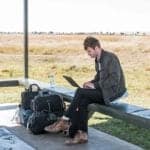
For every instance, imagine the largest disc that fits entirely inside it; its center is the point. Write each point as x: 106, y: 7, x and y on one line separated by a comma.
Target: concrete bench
x: 130, y: 113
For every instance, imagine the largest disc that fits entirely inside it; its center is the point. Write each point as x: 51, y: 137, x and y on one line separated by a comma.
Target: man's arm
x: 96, y: 78
x: 110, y: 78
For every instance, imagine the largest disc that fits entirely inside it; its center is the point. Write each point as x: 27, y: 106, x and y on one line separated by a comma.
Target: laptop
x: 71, y: 81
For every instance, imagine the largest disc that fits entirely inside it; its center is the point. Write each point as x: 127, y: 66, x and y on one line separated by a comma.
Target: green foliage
x: 121, y: 129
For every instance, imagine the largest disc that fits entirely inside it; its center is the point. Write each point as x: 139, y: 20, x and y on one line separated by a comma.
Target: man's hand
x: 88, y: 85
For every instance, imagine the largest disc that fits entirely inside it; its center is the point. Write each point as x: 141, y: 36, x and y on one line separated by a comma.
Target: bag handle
x: 34, y: 85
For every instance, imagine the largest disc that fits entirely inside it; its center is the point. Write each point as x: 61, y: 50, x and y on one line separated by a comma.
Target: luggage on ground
x: 38, y: 120
x: 47, y: 108
x: 45, y: 101
x: 28, y: 95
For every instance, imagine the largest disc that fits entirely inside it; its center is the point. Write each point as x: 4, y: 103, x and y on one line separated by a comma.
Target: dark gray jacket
x: 109, y: 78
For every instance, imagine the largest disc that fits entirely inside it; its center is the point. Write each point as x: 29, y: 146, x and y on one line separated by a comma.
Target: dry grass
x: 64, y: 54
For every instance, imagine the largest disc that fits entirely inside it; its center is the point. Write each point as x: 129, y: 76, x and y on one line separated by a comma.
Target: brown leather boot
x: 58, y: 126
x: 80, y: 137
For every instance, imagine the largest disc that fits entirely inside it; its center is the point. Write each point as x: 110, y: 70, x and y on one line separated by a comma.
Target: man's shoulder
x: 109, y: 54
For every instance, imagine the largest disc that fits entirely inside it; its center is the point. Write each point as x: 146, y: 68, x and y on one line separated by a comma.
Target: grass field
x: 64, y: 54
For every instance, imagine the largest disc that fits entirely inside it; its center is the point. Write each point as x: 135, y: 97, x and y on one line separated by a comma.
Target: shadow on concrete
x: 45, y: 141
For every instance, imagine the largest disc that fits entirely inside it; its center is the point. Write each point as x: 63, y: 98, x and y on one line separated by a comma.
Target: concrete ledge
x: 8, y: 82
x: 130, y: 113
x: 8, y: 106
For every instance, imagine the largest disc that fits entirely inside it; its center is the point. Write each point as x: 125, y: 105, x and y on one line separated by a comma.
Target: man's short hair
x: 91, y: 42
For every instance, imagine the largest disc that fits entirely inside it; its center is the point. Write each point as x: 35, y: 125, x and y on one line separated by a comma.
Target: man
x: 108, y: 84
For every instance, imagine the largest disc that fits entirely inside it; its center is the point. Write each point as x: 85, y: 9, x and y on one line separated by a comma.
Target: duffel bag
x: 45, y: 101
x: 28, y: 95
x: 38, y: 120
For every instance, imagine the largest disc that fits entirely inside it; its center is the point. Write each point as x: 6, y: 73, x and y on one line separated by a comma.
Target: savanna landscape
x: 64, y: 54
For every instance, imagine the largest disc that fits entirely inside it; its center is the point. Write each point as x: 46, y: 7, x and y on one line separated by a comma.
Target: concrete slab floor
x: 97, y: 139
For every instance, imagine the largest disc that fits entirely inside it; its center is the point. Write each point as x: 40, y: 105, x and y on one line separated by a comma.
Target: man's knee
x: 78, y: 91
x: 81, y: 92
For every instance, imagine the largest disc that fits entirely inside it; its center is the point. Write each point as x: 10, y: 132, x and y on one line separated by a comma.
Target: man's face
x: 91, y: 52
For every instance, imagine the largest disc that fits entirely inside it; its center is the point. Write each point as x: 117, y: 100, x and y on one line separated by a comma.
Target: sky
x: 77, y: 15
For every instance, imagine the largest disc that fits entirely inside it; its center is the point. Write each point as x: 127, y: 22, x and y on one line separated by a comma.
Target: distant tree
x: 122, y: 33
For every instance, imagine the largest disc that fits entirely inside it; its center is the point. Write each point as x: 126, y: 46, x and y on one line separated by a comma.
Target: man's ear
x: 96, y: 48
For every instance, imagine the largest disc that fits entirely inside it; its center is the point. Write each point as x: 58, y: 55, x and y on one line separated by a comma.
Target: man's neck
x: 99, y: 54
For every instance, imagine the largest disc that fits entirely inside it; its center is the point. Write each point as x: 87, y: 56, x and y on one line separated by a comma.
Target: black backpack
x: 47, y: 102
x: 38, y: 120
x: 28, y: 95
x: 47, y: 108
